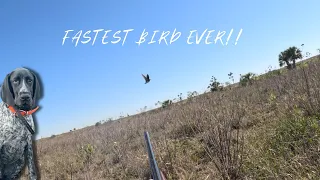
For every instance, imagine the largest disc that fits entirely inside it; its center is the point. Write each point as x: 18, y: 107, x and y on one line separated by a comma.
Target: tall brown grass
x: 267, y: 130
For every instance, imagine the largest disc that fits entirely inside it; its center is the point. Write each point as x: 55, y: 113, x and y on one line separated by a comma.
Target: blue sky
x: 85, y: 84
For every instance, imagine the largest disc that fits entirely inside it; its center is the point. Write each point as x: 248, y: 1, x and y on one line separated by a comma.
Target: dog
x: 19, y: 91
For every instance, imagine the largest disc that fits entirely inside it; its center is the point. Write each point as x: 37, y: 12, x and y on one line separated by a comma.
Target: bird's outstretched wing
x: 145, y: 78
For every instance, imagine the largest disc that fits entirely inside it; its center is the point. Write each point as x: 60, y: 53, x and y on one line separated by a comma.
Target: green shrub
x: 247, y: 79
x: 166, y: 103
x: 291, y: 151
x: 215, y: 85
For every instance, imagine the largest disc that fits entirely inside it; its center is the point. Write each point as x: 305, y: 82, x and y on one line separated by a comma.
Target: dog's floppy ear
x: 36, y: 89
x: 7, y: 95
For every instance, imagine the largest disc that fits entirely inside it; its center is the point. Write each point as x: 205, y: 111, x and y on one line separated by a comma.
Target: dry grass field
x: 267, y: 130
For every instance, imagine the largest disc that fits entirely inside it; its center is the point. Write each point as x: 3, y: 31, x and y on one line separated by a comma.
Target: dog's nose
x: 25, y: 97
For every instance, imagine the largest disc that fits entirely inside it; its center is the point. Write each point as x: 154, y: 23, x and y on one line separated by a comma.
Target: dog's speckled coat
x: 15, y: 138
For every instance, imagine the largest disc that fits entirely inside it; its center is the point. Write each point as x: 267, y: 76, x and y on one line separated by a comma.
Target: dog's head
x: 21, y: 89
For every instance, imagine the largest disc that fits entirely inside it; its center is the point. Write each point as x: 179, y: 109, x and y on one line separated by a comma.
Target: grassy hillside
x: 268, y: 130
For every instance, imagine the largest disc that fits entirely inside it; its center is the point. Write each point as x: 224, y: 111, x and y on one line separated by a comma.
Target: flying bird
x: 146, y: 78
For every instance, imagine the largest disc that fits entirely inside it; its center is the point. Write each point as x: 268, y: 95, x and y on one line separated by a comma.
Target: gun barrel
x: 153, y: 163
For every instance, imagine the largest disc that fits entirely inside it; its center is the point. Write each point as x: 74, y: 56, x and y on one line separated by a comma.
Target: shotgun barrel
x: 153, y: 163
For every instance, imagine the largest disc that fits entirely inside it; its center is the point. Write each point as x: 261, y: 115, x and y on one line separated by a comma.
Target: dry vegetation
x: 267, y: 130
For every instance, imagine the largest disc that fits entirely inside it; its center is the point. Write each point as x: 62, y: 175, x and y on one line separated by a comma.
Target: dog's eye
x: 16, y: 81
x: 29, y: 81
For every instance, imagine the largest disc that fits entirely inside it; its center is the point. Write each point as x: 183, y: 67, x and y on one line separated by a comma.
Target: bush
x: 215, y: 85
x: 247, y: 79
x: 166, y: 103
x: 192, y: 94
